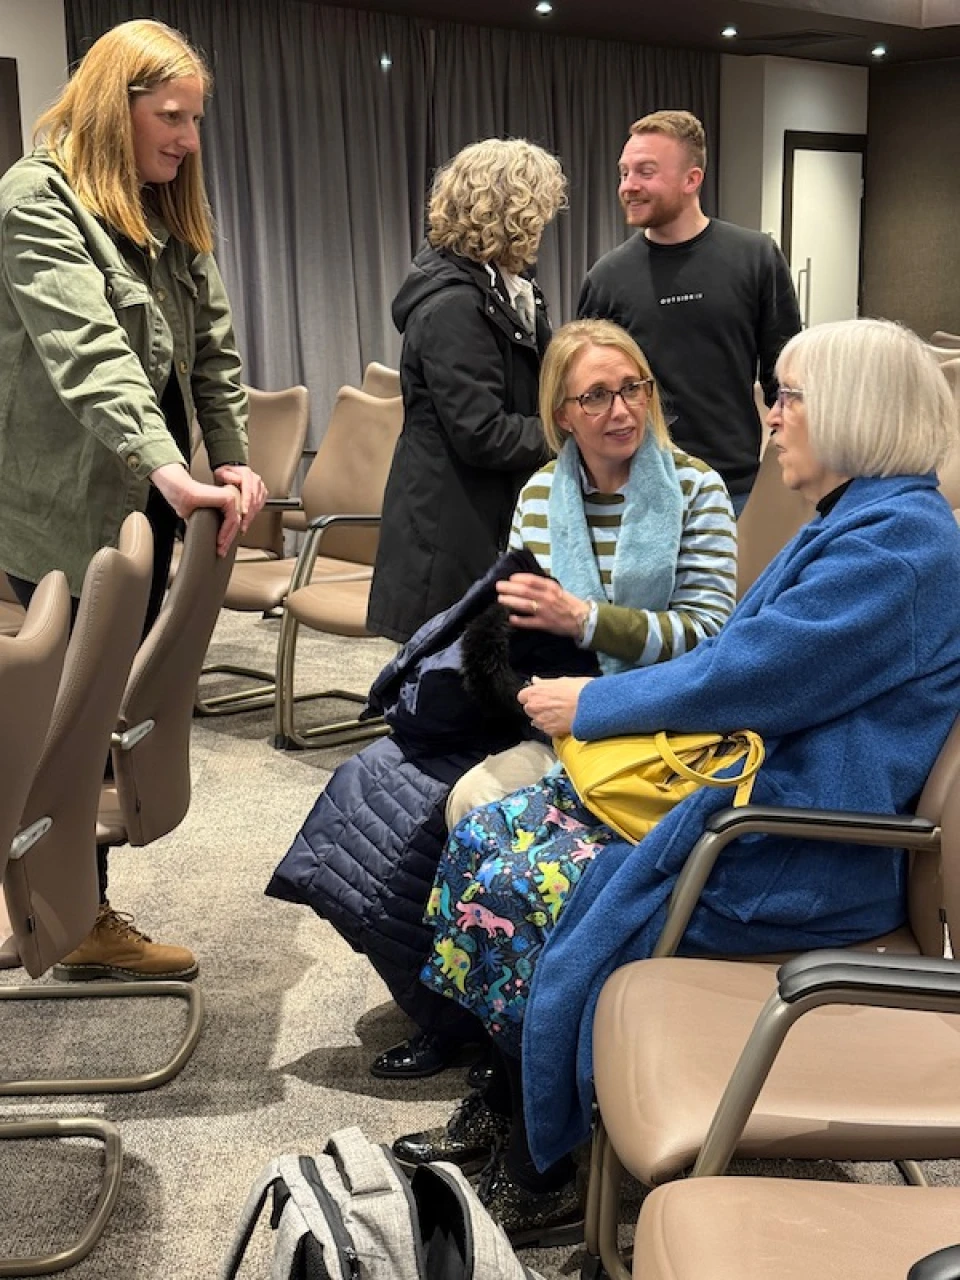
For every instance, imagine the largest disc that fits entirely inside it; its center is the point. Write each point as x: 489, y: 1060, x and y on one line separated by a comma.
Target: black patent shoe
x: 422, y: 1055
x: 532, y: 1219
x: 468, y: 1139
x: 481, y: 1073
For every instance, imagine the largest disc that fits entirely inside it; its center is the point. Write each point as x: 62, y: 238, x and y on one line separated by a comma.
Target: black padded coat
x: 471, y: 438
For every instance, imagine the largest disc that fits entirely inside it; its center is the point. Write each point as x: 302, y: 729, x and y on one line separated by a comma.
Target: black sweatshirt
x: 711, y: 315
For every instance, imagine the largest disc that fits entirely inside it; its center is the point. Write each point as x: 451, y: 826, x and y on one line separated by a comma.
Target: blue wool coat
x: 845, y: 656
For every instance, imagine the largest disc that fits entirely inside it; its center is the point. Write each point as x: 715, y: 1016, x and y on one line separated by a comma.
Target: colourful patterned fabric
x: 504, y: 877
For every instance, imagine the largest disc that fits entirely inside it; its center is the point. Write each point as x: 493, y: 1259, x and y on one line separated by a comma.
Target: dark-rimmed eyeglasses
x: 600, y: 400
x: 788, y: 395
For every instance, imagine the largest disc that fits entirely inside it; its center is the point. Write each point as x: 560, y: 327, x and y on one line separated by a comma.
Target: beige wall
x: 912, y: 207
x: 33, y: 32
x: 760, y: 99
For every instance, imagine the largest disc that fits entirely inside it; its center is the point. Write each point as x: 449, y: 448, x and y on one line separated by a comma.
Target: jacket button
x: 133, y: 461
x: 182, y: 366
x: 492, y: 310
x: 161, y: 295
x: 519, y: 336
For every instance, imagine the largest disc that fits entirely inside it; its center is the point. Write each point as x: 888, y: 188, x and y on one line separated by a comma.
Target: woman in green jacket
x: 115, y: 332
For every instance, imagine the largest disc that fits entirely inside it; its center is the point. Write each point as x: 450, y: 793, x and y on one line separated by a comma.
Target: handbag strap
x: 753, y: 759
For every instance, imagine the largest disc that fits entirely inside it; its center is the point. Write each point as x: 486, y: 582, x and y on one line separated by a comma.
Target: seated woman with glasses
x: 640, y: 543
x: 844, y: 655
x: 638, y: 537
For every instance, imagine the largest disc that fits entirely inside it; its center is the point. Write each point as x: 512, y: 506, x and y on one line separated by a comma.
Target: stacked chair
x: 378, y: 380
x: 872, y: 1079
x: 343, y: 489
x: 136, y: 701
x: 342, y: 500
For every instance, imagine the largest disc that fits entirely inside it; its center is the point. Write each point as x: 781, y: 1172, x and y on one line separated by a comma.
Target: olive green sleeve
x: 60, y: 294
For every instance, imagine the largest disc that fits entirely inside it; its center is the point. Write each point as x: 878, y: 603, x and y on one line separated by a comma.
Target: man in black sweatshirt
x: 710, y: 303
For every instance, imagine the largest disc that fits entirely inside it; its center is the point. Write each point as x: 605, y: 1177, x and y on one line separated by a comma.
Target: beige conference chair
x: 941, y: 338
x: 343, y: 499
x: 950, y: 470
x: 276, y: 433
x: 50, y: 885
x: 654, y: 1111
x: 378, y: 380
x: 772, y: 515
x: 30, y: 670
x: 347, y: 465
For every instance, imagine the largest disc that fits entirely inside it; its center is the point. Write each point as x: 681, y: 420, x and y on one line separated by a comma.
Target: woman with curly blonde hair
x: 474, y: 327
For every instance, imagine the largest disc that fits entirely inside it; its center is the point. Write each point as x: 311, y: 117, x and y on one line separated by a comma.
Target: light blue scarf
x: 645, y: 561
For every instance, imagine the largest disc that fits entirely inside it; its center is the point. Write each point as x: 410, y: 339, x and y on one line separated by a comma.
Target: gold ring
x: 534, y: 606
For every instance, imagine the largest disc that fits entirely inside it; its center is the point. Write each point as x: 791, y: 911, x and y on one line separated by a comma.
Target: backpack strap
x: 249, y: 1218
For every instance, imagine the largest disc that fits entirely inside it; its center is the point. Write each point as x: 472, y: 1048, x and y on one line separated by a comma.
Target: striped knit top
x: 704, y: 590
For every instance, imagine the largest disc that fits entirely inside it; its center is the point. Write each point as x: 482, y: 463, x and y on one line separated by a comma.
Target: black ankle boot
x: 468, y: 1139
x: 532, y: 1219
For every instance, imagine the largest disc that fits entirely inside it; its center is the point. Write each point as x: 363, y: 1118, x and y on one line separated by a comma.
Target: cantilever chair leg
x: 111, y: 990
x: 286, y: 735
x: 240, y: 700
x: 85, y: 1127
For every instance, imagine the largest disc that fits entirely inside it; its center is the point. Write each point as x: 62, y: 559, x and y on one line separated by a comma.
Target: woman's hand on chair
x: 185, y: 495
x: 253, y: 492
x: 541, y: 604
x: 552, y: 704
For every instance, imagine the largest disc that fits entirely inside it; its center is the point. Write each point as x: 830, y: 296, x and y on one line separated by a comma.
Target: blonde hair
x: 876, y: 401
x: 89, y: 132
x: 682, y: 125
x: 567, y: 343
x: 491, y: 202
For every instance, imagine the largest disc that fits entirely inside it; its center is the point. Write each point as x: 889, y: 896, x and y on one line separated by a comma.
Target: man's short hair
x: 682, y: 125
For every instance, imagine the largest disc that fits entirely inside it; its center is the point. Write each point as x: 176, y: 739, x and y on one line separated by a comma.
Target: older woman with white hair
x: 474, y: 327
x: 844, y: 655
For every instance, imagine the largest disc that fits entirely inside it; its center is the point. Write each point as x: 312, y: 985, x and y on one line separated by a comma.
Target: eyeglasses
x: 600, y: 400
x: 788, y: 395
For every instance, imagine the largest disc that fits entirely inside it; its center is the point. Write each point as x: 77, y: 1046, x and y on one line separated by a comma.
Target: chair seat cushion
x: 337, y: 607
x: 760, y: 1228
x: 848, y: 1084
x: 261, y: 586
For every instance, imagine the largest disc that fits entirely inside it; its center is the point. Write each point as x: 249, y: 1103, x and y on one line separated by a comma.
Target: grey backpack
x: 351, y: 1214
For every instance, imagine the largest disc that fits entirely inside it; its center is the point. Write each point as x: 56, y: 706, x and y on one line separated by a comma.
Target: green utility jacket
x: 90, y: 328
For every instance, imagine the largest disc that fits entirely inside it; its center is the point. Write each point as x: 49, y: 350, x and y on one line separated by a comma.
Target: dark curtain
x: 318, y: 157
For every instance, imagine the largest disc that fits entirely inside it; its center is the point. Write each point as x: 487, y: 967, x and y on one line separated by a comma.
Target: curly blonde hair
x: 89, y: 133
x: 491, y: 202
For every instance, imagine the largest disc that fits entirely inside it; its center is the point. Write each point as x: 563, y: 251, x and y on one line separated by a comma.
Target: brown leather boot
x: 116, y: 949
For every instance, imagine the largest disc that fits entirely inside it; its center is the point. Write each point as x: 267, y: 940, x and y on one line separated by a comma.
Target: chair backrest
x: 152, y: 773
x: 276, y: 435
x: 926, y: 881
x: 949, y: 472
x: 379, y: 380
x: 772, y: 516
x: 30, y: 668
x: 52, y: 892
x: 942, y: 354
x: 349, y: 473
x: 941, y: 338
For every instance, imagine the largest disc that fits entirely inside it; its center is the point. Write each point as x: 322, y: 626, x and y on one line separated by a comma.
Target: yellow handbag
x: 630, y: 783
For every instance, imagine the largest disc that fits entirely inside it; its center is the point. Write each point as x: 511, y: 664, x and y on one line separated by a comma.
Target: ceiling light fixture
x: 544, y: 7
x: 386, y: 62
x: 878, y: 51
x: 729, y: 32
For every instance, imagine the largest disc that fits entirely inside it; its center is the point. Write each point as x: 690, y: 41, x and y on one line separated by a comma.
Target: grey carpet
x: 293, y: 1017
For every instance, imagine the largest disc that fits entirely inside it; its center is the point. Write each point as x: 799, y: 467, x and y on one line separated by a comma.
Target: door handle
x: 804, y: 275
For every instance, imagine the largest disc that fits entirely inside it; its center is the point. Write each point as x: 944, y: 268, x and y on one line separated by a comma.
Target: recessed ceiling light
x: 544, y: 7
x: 729, y: 32
x: 878, y: 51
x: 386, y: 62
